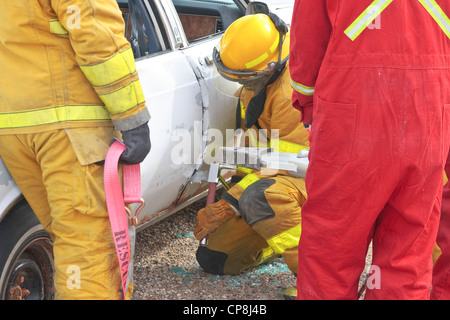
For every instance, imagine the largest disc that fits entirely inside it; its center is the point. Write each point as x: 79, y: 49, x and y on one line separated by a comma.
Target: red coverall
x: 375, y: 84
x: 441, y: 271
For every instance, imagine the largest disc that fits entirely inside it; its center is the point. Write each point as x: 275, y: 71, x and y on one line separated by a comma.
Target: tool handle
x: 209, y: 200
x: 211, y: 193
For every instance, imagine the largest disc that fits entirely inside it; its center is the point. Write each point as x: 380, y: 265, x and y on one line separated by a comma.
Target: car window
x: 200, y: 19
x: 141, y: 28
x: 203, y: 18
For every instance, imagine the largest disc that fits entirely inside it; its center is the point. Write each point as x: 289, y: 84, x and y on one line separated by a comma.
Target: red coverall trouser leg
x: 376, y: 170
x: 441, y: 271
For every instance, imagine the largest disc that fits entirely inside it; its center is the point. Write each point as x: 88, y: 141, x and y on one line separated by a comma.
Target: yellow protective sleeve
x: 96, y: 33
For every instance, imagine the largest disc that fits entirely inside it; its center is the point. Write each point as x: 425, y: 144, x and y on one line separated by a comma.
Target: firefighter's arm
x: 291, y: 135
x: 234, y: 193
x: 310, y: 33
x: 96, y: 32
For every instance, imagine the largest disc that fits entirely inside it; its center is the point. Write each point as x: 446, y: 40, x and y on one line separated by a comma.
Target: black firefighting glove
x: 138, y: 145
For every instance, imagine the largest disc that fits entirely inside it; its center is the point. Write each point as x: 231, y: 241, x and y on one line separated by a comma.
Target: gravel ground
x: 166, y: 268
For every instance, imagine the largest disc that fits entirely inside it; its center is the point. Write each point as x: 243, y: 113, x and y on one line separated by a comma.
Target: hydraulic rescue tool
x: 253, y: 158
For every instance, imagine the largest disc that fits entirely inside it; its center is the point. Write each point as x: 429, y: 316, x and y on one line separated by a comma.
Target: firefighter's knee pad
x: 253, y: 205
x: 210, y: 260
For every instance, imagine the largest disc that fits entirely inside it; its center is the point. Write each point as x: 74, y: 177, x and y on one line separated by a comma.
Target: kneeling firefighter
x: 258, y: 218
x: 77, y: 88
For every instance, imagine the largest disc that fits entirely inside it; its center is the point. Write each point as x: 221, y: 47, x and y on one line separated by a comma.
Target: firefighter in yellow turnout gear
x: 257, y: 219
x: 68, y: 85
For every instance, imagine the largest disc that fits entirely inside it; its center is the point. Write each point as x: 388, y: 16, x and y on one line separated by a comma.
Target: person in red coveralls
x: 372, y: 79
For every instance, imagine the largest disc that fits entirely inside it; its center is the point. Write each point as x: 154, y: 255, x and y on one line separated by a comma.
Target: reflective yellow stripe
x: 244, y: 170
x: 366, y: 18
x: 56, y: 27
x: 286, y: 146
x: 51, y: 115
x: 438, y: 15
x: 264, y: 56
x: 285, y: 240
x: 378, y: 6
x: 257, y: 61
x: 248, y: 180
x: 307, y: 91
x: 124, y: 99
x: 266, y: 254
x: 274, y: 45
x: 242, y: 111
x: 115, y: 68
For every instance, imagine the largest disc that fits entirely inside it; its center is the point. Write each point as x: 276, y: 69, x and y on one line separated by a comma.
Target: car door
x: 176, y: 74
x: 173, y: 98
x: 203, y: 23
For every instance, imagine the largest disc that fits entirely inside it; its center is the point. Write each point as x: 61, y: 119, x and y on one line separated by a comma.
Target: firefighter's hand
x: 138, y: 145
x: 211, y: 217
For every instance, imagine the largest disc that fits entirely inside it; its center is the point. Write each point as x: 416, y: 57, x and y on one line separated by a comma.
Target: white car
x: 173, y: 42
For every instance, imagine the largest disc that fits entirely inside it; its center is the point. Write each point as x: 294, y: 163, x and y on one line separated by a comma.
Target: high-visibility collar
x: 378, y: 6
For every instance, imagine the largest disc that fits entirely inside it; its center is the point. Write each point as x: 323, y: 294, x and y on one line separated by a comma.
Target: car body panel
x: 9, y: 191
x: 166, y: 97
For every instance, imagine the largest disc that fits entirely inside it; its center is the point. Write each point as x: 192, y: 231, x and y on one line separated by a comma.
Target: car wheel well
x: 26, y: 258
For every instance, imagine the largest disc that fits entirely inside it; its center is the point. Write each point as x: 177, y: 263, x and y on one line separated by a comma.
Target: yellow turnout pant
x: 269, y: 227
x: 68, y: 198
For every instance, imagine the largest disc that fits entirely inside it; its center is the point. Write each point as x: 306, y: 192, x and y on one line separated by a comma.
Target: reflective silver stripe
x: 307, y: 91
x: 438, y: 15
x: 378, y: 6
x: 366, y: 18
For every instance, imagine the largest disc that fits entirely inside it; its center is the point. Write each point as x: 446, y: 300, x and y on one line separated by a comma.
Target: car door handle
x: 208, y: 60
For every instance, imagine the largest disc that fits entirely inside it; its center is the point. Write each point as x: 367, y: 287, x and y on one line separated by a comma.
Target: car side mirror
x: 255, y: 7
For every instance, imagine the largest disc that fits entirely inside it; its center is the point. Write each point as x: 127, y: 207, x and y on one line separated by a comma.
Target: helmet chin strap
x: 282, y: 28
x: 281, y: 64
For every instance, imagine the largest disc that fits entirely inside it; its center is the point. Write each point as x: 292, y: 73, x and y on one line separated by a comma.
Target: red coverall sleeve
x: 310, y: 33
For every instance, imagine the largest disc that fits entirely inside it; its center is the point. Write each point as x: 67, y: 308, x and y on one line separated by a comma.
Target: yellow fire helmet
x: 249, y: 50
